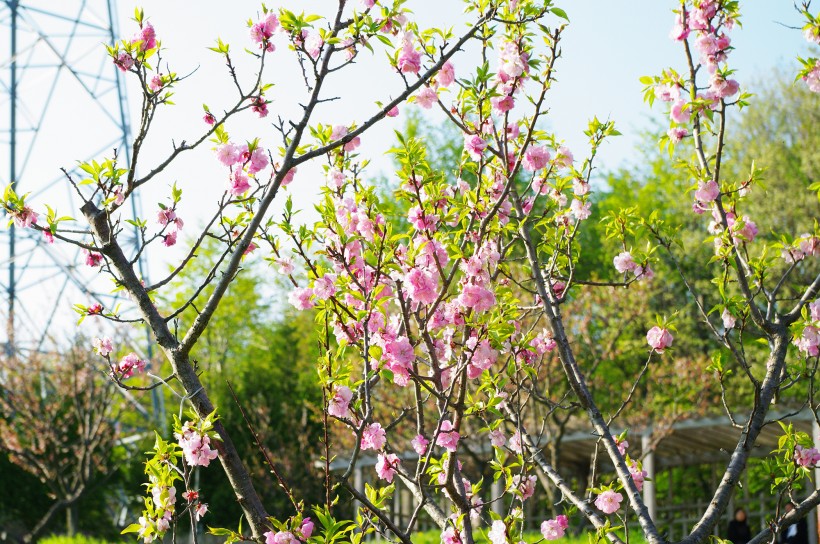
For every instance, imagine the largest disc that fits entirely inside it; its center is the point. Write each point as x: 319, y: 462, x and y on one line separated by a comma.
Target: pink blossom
x: 553, y: 529
x: 622, y: 445
x: 446, y: 75
x: 680, y: 31
x: 707, y: 192
x: 280, y: 537
x: 498, y: 532
x: 200, y: 511
x: 239, y: 183
x: 667, y: 92
x: 502, y: 104
x: 812, y: 34
x: 525, y: 485
x: 609, y: 501
x: 92, y: 258
x: 386, y: 466
x: 262, y: 31
x: 129, y: 365
x: 421, y: 285
x: 102, y: 346
x: 340, y: 402
x: 810, y: 245
x: 806, y: 457
x: 288, y: 177
x: 124, y: 61
x: 676, y: 134
x: 624, y: 262
x: 477, y: 297
x: 450, y: 536
x: 146, y: 37
x: 259, y: 106
x: 511, y: 62
x: 156, y: 83
x: 325, y: 287
x: 307, y: 528
x: 722, y: 87
x: 427, y: 97
x: 474, y: 145
x: 209, y: 118
x: 419, y: 444
x: 300, y: 298
x: 637, y: 473
x: 420, y: 220
x: 169, y: 239
x: 393, y: 112
x: 447, y: 437
x: 166, y: 215
x: 373, y: 437
x: 94, y: 309
x: 563, y: 157
x: 497, y: 438
x: 812, y: 79
x: 515, y: 444
x: 678, y: 114
x: 258, y: 160
x: 25, y: 218
x: 49, y: 236
x: 659, y: 338
x: 580, y: 210
x: 729, y: 320
x: 409, y: 61
x: 228, y: 154
x: 535, y: 158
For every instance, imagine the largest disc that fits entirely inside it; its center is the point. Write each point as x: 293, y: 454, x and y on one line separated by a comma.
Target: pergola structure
x: 691, y: 452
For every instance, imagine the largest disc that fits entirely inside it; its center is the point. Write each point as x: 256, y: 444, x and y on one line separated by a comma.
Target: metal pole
x: 157, y: 400
x: 13, y: 173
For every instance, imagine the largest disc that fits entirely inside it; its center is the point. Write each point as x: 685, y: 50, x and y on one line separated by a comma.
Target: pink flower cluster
x: 339, y: 403
x: 146, y: 38
x: 809, y: 341
x: 608, y: 501
x: 637, y: 473
x: 409, y: 59
x: 242, y: 162
x: 806, y: 457
x: 129, y: 365
x: 553, y: 529
x: 659, y: 338
x: 624, y: 262
x: 262, y: 32
x: 807, y: 245
x: 386, y: 466
x: 195, y: 446
x: 302, y: 534
x: 24, y: 218
x: 92, y: 258
x: 167, y: 217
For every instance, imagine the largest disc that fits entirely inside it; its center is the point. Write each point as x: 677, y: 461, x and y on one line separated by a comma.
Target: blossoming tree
x: 449, y: 317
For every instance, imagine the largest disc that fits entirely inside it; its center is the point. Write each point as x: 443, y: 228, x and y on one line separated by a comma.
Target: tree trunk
x: 71, y: 519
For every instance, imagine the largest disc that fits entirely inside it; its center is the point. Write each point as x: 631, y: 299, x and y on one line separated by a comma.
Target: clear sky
x: 608, y: 46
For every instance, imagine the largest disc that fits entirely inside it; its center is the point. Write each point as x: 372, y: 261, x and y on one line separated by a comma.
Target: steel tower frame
x: 62, y: 45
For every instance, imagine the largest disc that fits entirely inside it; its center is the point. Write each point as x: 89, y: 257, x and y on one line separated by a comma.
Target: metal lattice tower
x: 61, y: 100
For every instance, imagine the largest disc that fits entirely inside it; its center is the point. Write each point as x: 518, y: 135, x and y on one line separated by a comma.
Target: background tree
x: 60, y: 422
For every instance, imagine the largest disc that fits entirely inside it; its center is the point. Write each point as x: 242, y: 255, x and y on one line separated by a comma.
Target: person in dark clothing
x: 796, y: 533
x: 739, y: 532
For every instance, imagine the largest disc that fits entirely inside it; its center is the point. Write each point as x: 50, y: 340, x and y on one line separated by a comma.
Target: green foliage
x: 77, y: 539
x: 268, y: 355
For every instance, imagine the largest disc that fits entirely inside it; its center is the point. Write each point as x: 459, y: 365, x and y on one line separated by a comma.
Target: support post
x: 649, y: 467
x: 11, y: 292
